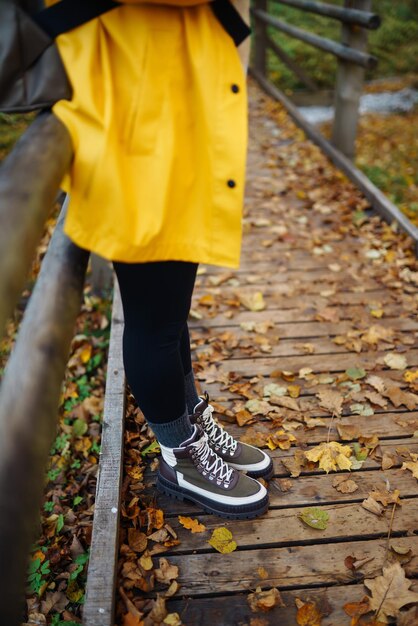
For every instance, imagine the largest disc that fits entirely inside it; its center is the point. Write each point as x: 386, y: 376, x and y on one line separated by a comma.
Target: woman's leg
x: 156, y: 298
x: 192, y: 397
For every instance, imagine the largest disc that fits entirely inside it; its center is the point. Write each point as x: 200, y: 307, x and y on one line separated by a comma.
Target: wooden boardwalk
x: 336, y: 296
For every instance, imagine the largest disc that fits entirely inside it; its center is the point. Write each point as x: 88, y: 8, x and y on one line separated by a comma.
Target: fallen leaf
x: 285, y: 401
x: 284, y: 484
x: 314, y: 517
x: 252, y: 301
x: 280, y: 439
x: 356, y: 609
x: 389, y: 459
x: 173, y: 619
x: 395, y: 361
x: 355, y: 373
x: 330, y: 400
x: 377, y: 382
x: 262, y: 573
x: 308, y: 615
x: 222, y: 541
x: 264, y: 600
x: 390, y: 592
x: 192, y: 524
x: 411, y: 465
x: 371, y: 505
x: 331, y: 455
x: 137, y: 540
x: 345, y: 485
x: 348, y: 432
x: 295, y: 464
x: 166, y: 572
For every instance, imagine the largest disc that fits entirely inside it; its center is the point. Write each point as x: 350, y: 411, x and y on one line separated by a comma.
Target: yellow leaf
x: 294, y: 391
x: 146, y: 562
x: 192, y: 524
x: 85, y: 353
x: 252, y: 301
x: 173, y: 619
x: 222, y: 540
x: 330, y: 456
x: 411, y: 376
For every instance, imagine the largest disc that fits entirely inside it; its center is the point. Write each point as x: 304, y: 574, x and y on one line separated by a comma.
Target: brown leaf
x: 410, y: 618
x: 264, y: 600
x: 137, y: 540
x: 348, y: 432
x: 295, y: 464
x: 371, y: 505
x: 285, y: 401
x: 331, y: 401
x: 389, y: 459
x: 166, y: 572
x: 344, y: 486
x: 390, y: 592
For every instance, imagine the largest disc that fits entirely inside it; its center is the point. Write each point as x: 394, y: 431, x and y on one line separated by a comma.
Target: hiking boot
x: 241, y: 456
x: 193, y: 471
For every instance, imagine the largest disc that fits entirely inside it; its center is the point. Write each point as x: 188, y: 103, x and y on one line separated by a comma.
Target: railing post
x: 260, y: 40
x: 349, y: 86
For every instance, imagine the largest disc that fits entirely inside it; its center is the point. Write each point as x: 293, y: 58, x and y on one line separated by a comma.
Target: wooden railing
x: 31, y: 385
x: 351, y: 53
x: 355, y: 17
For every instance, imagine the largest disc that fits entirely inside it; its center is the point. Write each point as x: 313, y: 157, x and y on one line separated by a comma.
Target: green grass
x: 395, y: 43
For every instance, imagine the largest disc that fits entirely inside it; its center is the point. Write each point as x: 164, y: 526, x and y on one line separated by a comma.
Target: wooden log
x: 98, y: 609
x: 376, y: 197
x: 260, y: 40
x: 344, y: 14
x: 28, y: 408
x: 291, y: 64
x: 342, y: 52
x: 349, y: 86
x: 29, y: 181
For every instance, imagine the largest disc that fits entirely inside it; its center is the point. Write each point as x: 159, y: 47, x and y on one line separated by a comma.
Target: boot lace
x: 210, y: 461
x: 217, y: 435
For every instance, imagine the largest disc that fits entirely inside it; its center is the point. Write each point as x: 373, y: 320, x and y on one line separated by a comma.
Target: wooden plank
x: 29, y: 401
x: 288, y: 567
x: 42, y: 154
x: 247, y: 346
x: 318, y: 363
x: 282, y: 527
x: 234, y: 609
x: 98, y: 609
x: 376, y: 197
x: 383, y: 425
x: 300, y: 329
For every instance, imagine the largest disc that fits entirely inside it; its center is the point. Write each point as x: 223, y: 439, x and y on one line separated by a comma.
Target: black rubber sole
x: 246, y: 511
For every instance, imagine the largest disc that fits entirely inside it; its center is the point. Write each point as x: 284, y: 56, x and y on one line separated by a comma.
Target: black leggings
x: 156, y: 298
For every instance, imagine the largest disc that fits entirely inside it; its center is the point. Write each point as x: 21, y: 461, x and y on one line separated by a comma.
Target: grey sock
x: 191, y: 392
x: 172, y: 434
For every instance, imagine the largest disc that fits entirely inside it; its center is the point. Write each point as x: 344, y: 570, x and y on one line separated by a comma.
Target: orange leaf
x: 192, y: 524
x: 308, y: 615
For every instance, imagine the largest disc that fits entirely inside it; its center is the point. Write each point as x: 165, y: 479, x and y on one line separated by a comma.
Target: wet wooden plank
x: 288, y: 567
x: 228, y: 610
x: 280, y: 527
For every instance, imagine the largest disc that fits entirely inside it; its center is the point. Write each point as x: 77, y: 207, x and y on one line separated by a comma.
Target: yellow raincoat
x: 159, y: 126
